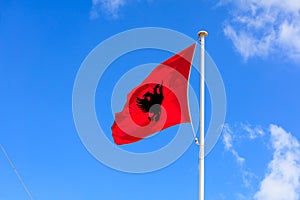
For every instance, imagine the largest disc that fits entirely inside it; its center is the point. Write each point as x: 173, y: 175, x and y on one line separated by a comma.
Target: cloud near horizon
x: 259, y: 28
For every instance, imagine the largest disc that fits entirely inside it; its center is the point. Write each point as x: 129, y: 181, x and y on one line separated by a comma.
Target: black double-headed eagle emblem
x: 151, y: 102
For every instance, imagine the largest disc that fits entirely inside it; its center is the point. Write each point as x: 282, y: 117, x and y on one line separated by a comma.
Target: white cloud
x: 110, y: 7
x: 227, y: 141
x: 282, y: 179
x: 253, y: 131
x: 231, y: 134
x: 261, y: 27
x: 240, y: 196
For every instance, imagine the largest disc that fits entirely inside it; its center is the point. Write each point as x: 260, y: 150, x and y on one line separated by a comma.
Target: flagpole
x: 202, y: 35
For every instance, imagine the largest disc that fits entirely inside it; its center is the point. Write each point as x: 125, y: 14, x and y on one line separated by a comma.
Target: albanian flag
x: 159, y: 102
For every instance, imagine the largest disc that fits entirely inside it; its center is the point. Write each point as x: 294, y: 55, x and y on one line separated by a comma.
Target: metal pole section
x: 202, y: 35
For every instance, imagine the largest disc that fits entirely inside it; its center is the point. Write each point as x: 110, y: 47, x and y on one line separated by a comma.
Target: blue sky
x: 256, y: 46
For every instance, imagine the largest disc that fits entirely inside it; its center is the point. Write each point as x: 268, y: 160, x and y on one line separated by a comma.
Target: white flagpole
x: 202, y: 35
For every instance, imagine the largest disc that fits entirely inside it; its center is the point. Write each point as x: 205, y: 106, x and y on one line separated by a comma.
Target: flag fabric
x: 159, y: 102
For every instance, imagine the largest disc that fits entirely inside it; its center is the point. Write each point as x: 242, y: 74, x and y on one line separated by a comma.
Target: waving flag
x: 159, y: 102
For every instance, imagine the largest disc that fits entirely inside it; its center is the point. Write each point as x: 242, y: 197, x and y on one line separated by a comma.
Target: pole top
x: 202, y: 34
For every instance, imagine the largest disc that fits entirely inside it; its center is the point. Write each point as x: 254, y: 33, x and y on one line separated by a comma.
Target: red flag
x: 159, y: 102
